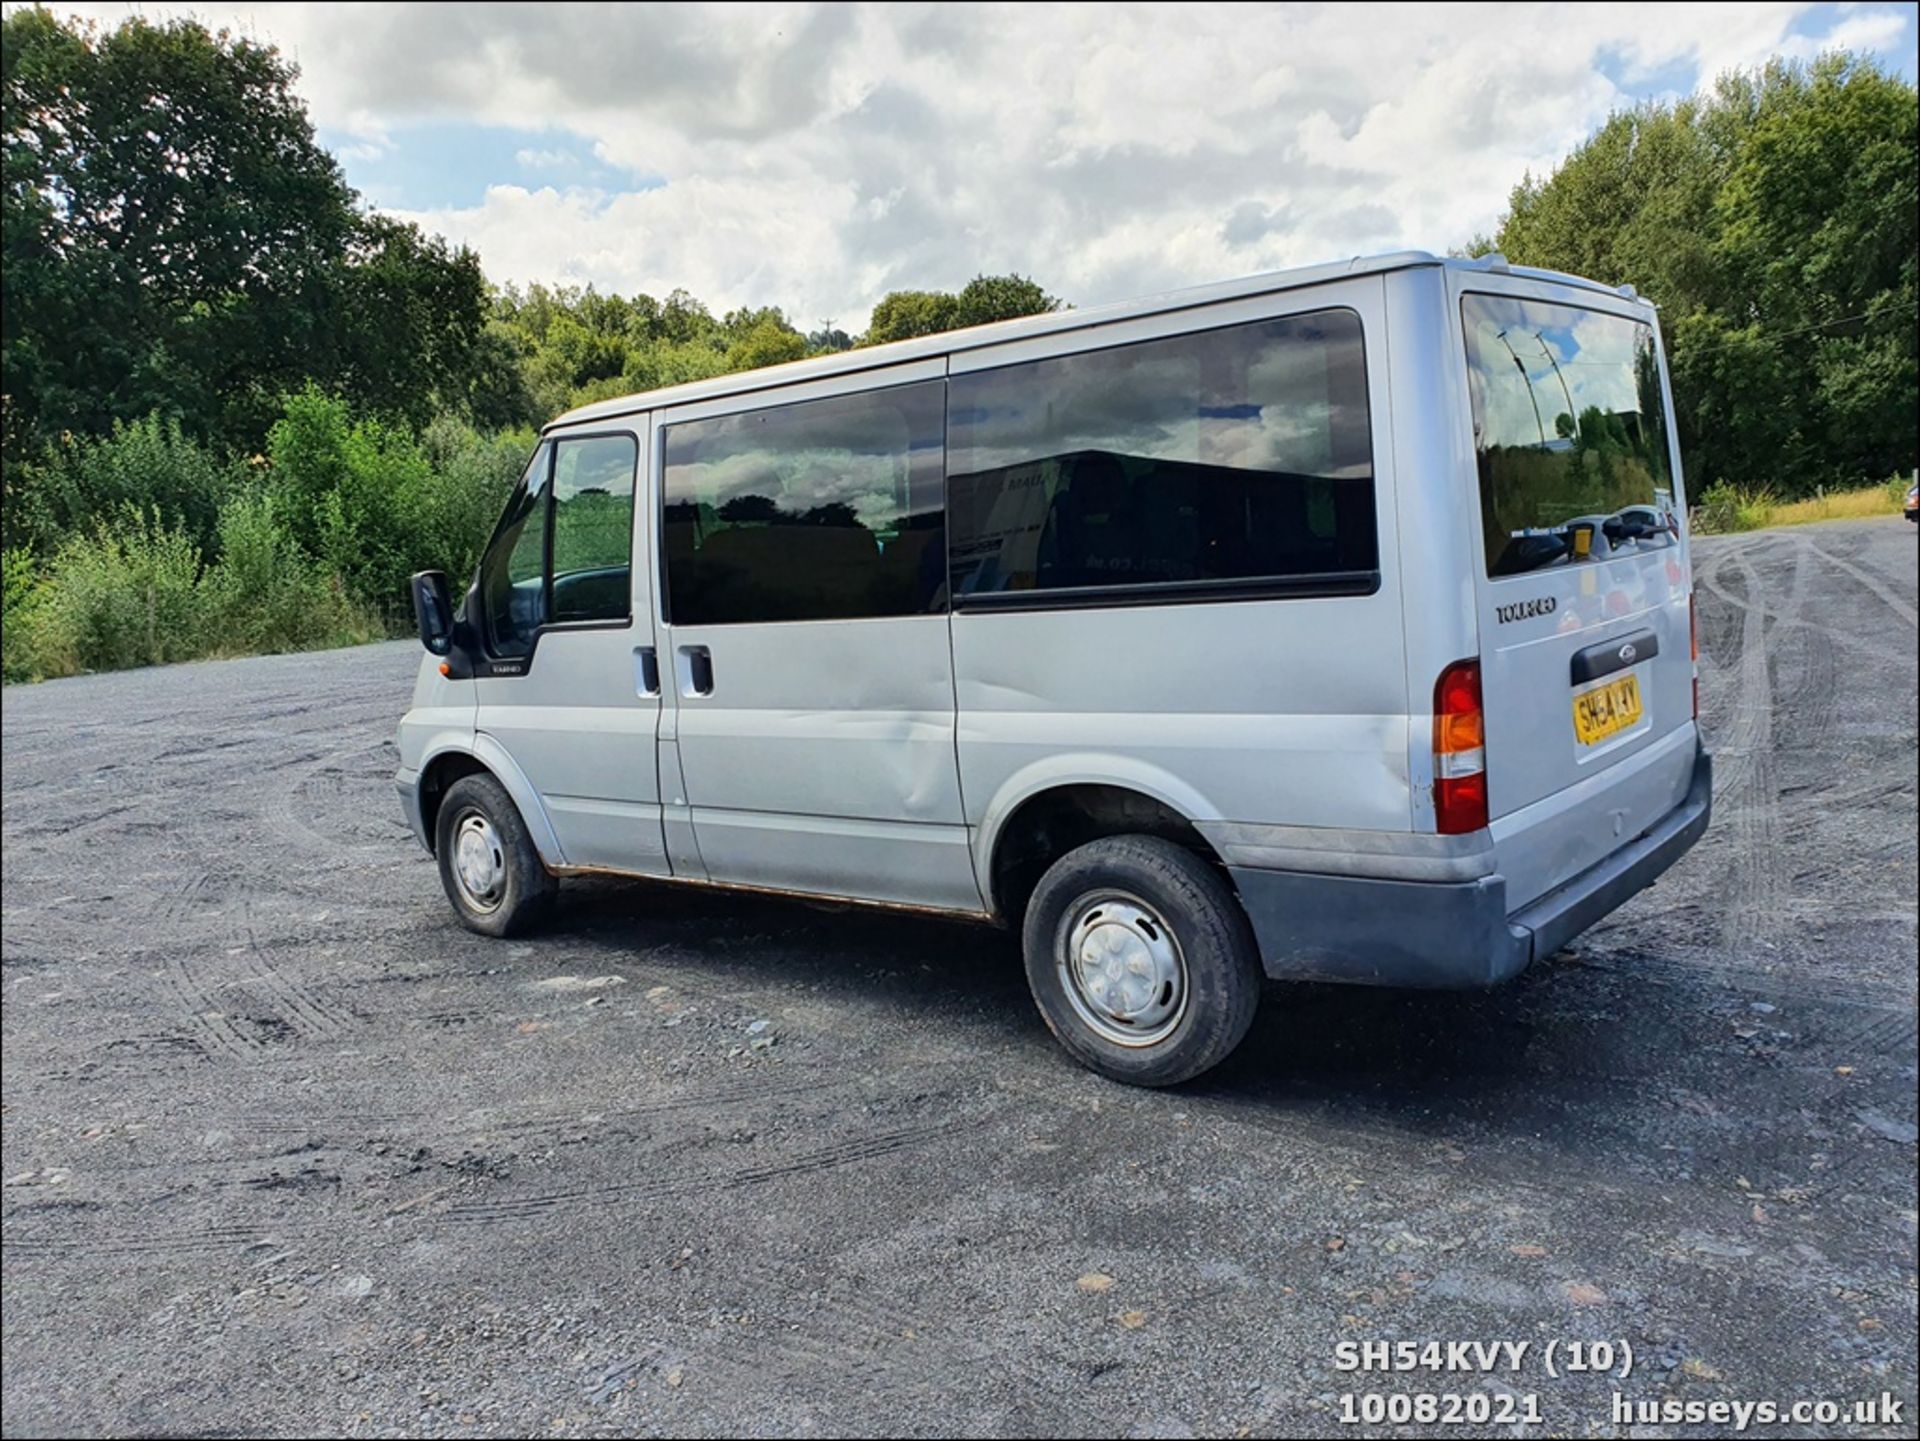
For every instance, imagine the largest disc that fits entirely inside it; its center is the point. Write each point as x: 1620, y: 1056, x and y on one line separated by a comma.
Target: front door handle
x: 646, y: 672
x: 696, y: 670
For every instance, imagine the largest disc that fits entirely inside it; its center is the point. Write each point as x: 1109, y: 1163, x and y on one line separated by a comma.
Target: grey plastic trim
x: 1379, y: 855
x: 1451, y: 935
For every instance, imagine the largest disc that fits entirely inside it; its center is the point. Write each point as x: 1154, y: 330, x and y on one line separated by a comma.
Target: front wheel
x: 488, y: 863
x: 1141, y: 960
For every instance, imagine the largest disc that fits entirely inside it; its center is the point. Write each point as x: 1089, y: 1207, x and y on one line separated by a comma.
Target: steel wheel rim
x: 1121, y: 969
x: 479, y: 861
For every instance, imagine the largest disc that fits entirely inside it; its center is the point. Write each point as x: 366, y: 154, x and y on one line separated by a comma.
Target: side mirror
x: 433, y: 611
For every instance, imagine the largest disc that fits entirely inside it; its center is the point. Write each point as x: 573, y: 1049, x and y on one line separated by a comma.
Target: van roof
x: 1053, y: 322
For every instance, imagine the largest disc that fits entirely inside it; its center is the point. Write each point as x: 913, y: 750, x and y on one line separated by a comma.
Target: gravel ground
x: 285, y: 1151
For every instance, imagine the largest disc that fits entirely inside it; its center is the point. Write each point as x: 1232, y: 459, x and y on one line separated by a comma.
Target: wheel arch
x: 1048, y: 810
x: 486, y: 756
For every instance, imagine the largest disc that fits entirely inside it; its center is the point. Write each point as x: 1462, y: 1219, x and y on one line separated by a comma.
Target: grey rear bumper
x: 1451, y: 935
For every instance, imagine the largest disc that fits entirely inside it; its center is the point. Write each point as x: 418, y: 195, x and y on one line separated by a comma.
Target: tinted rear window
x: 1570, y: 428
x: 1228, y: 456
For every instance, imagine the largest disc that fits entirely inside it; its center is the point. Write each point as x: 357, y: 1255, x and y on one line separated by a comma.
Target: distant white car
x: 1913, y: 503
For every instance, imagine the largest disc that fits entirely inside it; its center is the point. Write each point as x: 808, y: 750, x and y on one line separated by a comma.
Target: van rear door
x: 1583, y: 583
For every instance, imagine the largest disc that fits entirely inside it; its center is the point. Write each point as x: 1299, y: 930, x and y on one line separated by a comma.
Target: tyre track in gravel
x: 1749, y: 801
x: 1877, y: 586
x: 1810, y: 673
x: 538, y: 1207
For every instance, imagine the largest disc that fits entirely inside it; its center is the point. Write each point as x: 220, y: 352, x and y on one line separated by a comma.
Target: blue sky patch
x: 1676, y: 77
x: 1817, y: 21
x: 445, y: 164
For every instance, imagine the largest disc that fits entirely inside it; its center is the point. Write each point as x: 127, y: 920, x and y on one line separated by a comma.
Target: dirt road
x: 286, y: 1151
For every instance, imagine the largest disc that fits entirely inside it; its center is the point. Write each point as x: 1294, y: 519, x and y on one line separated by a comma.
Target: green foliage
x: 131, y: 591
x: 175, y: 240
x: 1726, y: 508
x: 267, y: 594
x: 1774, y: 220
x: 987, y: 298
x: 25, y: 596
x: 124, y: 593
x: 472, y: 474
x: 148, y: 464
x: 905, y: 314
x: 579, y: 346
x: 767, y: 341
x: 375, y: 505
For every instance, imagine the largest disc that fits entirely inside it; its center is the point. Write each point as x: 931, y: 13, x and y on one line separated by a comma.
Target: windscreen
x: 1571, y: 433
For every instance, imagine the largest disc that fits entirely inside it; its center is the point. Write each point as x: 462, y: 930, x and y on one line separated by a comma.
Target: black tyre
x: 488, y: 864
x: 1141, y: 960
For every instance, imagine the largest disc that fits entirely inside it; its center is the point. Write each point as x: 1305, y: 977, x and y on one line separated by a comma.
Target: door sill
x: 907, y: 907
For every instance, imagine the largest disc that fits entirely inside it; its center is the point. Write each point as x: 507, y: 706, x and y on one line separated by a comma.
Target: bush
x: 125, y: 594
x: 471, y: 475
x: 149, y: 465
x: 375, y: 505
x: 369, y: 531
x: 307, y: 447
x: 1725, y: 508
x: 267, y: 594
x: 25, y: 600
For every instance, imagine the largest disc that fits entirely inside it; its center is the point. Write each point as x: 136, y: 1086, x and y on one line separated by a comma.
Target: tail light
x: 1459, y: 751
x: 1693, y: 644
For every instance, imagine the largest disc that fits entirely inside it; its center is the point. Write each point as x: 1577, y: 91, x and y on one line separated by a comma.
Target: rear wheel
x: 492, y: 873
x: 1141, y: 960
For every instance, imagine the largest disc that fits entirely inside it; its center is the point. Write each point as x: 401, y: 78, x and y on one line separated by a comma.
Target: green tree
x: 1773, y: 219
x: 987, y: 298
x: 176, y: 241
x: 410, y: 320
x: 170, y: 221
x: 905, y: 314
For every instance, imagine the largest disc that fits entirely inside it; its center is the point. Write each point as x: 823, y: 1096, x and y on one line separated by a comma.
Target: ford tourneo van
x: 1334, y: 624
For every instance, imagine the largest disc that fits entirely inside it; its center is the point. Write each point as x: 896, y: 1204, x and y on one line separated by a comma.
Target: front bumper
x: 408, y: 784
x: 1451, y: 935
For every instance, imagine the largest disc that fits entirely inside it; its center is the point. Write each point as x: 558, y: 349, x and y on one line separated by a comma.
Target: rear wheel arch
x: 1050, y: 822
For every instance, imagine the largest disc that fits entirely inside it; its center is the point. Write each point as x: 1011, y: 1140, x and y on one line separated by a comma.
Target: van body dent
x: 1332, y: 624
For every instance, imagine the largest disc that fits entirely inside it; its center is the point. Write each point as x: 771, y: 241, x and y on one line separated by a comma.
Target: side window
x: 563, y: 549
x: 822, y: 510
x: 1228, y: 456
x: 593, y: 528
x: 513, y: 575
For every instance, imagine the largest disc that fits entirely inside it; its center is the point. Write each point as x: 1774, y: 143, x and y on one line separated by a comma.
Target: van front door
x: 805, y: 555
x: 570, y: 685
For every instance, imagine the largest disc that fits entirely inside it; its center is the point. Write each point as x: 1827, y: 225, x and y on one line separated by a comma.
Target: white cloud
x: 818, y: 156
x: 545, y: 159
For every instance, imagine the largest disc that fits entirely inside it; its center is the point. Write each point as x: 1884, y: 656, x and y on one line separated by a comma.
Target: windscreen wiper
x: 1632, y: 523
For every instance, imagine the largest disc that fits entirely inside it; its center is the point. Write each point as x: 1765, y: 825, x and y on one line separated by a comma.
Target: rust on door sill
x: 906, y: 907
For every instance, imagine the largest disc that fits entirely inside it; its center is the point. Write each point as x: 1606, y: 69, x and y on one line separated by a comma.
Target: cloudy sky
x: 818, y: 156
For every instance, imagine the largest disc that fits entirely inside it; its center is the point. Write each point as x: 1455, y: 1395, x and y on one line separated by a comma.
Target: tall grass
x: 145, y: 549
x: 1726, y: 508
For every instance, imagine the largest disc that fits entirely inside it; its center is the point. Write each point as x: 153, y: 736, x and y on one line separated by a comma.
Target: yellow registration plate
x: 1606, y: 710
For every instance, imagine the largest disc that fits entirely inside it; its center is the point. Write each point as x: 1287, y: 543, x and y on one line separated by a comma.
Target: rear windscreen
x: 1570, y: 431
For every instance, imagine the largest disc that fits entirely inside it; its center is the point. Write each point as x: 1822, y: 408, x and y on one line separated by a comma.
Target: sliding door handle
x: 696, y: 670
